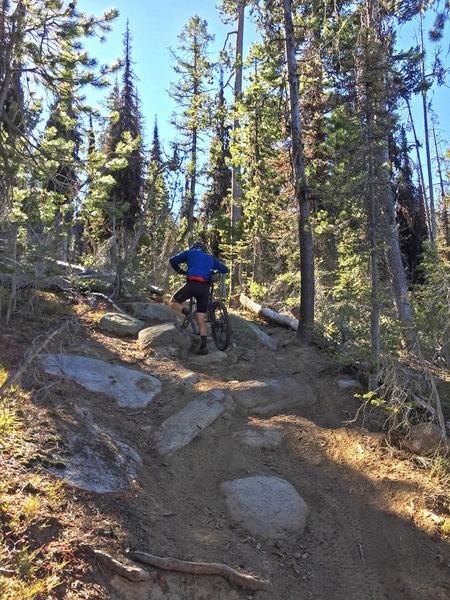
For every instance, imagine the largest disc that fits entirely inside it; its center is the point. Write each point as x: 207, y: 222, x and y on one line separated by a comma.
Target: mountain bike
x: 216, y: 316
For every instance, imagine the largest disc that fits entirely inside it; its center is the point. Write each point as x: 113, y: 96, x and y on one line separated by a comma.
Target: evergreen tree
x: 124, y: 137
x: 218, y: 171
x: 190, y: 92
x: 46, y: 42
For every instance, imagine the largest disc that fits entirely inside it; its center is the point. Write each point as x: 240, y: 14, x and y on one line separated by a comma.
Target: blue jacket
x: 199, y: 264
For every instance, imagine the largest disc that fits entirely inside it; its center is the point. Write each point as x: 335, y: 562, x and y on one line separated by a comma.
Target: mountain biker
x: 200, y: 265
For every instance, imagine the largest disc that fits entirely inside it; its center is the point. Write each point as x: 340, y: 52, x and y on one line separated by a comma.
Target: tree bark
x: 443, y: 198
x: 419, y: 164
x: 374, y: 278
x: 236, y: 206
x: 306, y: 322
x: 427, y: 140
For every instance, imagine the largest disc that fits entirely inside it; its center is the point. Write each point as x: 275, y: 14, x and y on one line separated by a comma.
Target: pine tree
x: 218, y: 171
x: 190, y: 92
x: 124, y: 139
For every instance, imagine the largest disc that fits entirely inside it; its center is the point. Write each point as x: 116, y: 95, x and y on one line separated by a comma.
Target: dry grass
x: 41, y: 525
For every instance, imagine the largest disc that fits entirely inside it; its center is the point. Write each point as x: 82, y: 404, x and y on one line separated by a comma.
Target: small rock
x: 265, y: 506
x: 189, y: 379
x: 260, y: 436
x: 425, y: 438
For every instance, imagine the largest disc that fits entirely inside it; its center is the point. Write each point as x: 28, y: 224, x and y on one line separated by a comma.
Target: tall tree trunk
x: 236, y: 206
x: 192, y: 182
x: 419, y: 164
x: 306, y: 321
x: 236, y: 190
x: 443, y: 198
x: 398, y: 275
x: 427, y: 139
x: 374, y: 278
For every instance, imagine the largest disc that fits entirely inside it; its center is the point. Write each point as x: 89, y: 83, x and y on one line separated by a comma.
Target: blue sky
x: 155, y: 25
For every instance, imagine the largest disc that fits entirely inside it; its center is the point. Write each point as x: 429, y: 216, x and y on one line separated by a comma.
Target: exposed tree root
x: 130, y: 572
x: 201, y: 568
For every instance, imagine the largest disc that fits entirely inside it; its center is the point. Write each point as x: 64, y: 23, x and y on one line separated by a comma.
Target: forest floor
x: 378, y: 521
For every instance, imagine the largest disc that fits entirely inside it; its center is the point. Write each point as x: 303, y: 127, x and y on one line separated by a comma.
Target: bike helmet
x: 198, y: 246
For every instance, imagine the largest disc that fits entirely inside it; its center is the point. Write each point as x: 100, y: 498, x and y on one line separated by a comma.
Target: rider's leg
x: 179, y: 308
x: 201, y: 318
x: 180, y: 296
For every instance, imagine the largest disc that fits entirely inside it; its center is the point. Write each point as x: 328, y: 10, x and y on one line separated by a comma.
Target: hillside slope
x: 376, y: 525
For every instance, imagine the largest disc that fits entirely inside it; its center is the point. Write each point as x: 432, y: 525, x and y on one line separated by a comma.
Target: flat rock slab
x: 180, y: 429
x: 97, y: 462
x: 120, y: 324
x: 213, y: 358
x: 129, y: 387
x: 347, y: 383
x: 164, y: 336
x: 268, y: 397
x: 249, y: 335
x: 260, y: 436
x: 269, y: 507
x: 153, y: 312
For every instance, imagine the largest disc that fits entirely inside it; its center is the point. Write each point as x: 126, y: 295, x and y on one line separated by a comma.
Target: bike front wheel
x: 220, y: 325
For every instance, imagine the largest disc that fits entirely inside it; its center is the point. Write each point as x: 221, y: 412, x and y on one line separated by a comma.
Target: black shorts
x: 194, y: 289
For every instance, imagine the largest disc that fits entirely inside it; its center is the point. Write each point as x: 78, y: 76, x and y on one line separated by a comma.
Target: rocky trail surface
x: 242, y: 458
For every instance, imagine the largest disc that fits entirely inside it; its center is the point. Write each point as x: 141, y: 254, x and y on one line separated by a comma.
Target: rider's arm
x: 219, y: 266
x: 176, y: 260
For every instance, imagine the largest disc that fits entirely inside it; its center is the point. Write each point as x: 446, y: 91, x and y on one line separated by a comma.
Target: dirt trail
x: 368, y: 534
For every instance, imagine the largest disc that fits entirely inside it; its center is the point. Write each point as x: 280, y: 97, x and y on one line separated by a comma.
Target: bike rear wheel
x: 220, y: 324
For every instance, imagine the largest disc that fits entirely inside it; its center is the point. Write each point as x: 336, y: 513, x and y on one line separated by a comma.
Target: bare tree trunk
x: 419, y: 164
x: 398, y: 275
x: 427, y: 140
x: 236, y: 206
x: 13, y: 295
x: 306, y: 321
x: 374, y: 278
x: 236, y: 189
x: 192, y: 183
x: 443, y: 199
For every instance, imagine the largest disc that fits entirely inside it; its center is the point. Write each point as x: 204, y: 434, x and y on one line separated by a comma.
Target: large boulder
x: 268, y: 397
x: 269, y: 507
x: 129, y: 387
x: 164, y: 336
x: 180, y: 429
x: 424, y: 439
x: 120, y: 324
x: 97, y: 461
x: 152, y: 312
x: 247, y: 334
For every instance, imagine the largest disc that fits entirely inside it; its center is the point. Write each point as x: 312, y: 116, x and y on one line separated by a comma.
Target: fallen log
x: 272, y: 316
x: 201, y: 568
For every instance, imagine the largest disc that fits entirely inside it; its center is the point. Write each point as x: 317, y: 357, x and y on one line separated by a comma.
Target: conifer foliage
x: 124, y: 138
